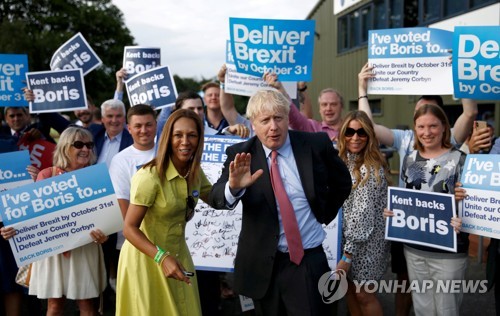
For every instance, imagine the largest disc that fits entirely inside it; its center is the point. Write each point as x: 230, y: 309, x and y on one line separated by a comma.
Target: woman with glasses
x: 78, y: 274
x: 435, y: 166
x: 364, y: 248
x: 155, y: 267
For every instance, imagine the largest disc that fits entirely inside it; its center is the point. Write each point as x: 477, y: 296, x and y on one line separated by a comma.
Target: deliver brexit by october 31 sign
x: 75, y: 53
x: 155, y: 87
x: 421, y: 218
x: 57, y: 91
x: 247, y: 85
x: 137, y: 59
x: 412, y: 61
x: 284, y: 47
x: 57, y: 214
x: 12, y: 74
x: 480, y: 210
x: 476, y: 62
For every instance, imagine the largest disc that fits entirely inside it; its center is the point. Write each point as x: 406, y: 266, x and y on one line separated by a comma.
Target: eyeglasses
x: 349, y: 132
x: 190, y: 205
x: 79, y: 144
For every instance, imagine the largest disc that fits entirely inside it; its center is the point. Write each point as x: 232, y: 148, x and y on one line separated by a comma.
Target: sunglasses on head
x: 79, y: 144
x: 349, y: 132
x: 190, y: 205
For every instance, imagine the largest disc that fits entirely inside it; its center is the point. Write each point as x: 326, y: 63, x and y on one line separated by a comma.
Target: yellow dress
x: 142, y: 288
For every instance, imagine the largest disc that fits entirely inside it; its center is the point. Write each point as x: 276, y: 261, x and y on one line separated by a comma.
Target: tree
x: 38, y: 27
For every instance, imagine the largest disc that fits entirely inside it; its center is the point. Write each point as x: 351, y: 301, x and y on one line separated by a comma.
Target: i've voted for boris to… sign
x: 56, y: 91
x: 13, y: 70
x: 476, y: 62
x: 75, y: 53
x: 410, y: 61
x: 13, y: 172
x: 284, y: 47
x: 137, y: 59
x: 57, y: 214
x: 155, y: 87
x: 421, y: 218
x: 480, y: 209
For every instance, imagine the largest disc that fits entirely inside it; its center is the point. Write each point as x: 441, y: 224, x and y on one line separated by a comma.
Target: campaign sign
x: 57, y: 91
x: 13, y: 70
x: 284, y: 47
x: 13, y: 169
x: 410, y: 61
x: 480, y: 210
x: 75, y: 53
x: 155, y: 87
x: 57, y: 214
x: 41, y: 151
x: 138, y: 59
x: 212, y: 235
x: 13, y: 172
x: 421, y: 218
x: 247, y: 85
x: 476, y: 67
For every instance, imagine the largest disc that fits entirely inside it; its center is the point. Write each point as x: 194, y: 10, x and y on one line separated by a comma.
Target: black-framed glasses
x: 190, y: 205
x: 349, y: 132
x: 79, y: 144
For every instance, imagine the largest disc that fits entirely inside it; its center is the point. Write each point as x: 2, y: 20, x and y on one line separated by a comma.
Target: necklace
x: 187, y: 174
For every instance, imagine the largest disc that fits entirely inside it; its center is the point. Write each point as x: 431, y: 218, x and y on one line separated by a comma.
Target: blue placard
x: 421, y: 218
x: 155, y: 87
x: 13, y: 169
x: 411, y: 61
x: 13, y: 70
x: 57, y: 91
x: 139, y: 59
x: 481, y: 172
x: 409, y: 42
x: 480, y: 209
x: 54, y: 194
x: 284, y: 47
x: 75, y: 53
x: 476, y: 62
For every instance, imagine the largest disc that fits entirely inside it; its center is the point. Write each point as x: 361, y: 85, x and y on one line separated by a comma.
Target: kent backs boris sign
x: 421, y: 218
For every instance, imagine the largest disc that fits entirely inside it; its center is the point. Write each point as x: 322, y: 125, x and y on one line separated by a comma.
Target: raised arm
x: 463, y: 125
x: 306, y: 105
x: 121, y: 75
x: 384, y: 134
x: 226, y: 99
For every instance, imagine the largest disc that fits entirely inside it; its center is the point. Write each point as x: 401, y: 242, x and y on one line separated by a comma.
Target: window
x: 431, y: 10
x: 353, y: 27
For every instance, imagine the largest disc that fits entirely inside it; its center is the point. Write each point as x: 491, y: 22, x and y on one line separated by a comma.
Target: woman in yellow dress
x: 155, y: 263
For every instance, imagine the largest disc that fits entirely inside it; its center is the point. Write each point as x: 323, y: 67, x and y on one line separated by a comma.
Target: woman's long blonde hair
x: 370, y: 156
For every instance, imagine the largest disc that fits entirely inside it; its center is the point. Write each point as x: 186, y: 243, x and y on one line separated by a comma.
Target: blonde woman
x: 364, y: 248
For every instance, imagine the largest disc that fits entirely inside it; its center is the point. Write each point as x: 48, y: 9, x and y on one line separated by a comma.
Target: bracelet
x: 347, y: 260
x: 159, y: 254
x: 363, y: 96
x: 221, y: 84
x: 303, y: 89
x: 165, y: 255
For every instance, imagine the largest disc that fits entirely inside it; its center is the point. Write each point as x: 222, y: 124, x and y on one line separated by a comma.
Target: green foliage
x: 38, y: 27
